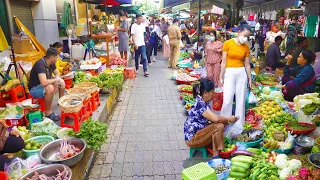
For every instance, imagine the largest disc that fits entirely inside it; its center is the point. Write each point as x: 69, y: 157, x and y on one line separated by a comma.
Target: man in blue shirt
x: 274, y: 55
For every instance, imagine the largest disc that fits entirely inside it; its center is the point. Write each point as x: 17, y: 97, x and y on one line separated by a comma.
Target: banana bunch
x: 271, y: 144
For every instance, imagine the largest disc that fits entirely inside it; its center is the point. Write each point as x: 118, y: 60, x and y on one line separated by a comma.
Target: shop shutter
x: 22, y: 10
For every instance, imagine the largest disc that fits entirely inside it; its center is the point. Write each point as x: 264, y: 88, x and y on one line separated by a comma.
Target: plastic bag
x: 174, y: 75
x: 46, y: 127
x: 252, y: 99
x: 261, y: 125
x: 217, y: 99
x: 288, y: 143
x: 234, y: 129
x: 302, y: 117
x: 33, y: 160
x: 16, y: 168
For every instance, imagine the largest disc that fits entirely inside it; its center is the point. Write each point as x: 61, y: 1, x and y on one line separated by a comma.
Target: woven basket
x: 67, y: 107
x: 91, y: 87
x: 68, y: 76
x: 79, y: 92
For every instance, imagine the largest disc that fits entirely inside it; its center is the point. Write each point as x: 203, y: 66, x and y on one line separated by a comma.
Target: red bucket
x: 217, y: 101
x: 3, y: 176
x: 68, y: 83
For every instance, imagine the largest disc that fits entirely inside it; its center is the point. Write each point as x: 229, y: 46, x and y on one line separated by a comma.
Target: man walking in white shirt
x: 137, y: 30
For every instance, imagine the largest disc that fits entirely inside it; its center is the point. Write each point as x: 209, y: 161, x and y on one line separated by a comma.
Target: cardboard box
x: 21, y: 45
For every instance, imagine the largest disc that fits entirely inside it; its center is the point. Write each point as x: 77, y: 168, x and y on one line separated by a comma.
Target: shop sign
x: 217, y: 10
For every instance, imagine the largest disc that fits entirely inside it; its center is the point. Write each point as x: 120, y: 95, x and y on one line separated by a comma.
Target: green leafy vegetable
x: 93, y: 132
x: 79, y: 77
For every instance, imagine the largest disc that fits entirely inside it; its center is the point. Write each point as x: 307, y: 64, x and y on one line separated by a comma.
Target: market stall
x: 281, y: 139
x: 62, y: 149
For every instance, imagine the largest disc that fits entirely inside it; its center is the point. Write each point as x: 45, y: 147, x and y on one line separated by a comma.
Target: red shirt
x: 192, y: 31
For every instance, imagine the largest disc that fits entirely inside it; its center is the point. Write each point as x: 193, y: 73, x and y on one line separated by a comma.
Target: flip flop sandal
x: 54, y: 117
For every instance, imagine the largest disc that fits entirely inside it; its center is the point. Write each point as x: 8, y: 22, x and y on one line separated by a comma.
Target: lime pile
x: 32, y: 145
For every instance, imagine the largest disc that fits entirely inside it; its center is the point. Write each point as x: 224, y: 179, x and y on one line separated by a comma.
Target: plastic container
x: 251, y: 144
x: 225, y: 155
x: 77, y: 51
x: 63, y: 133
x: 280, y: 151
x: 300, y: 132
x: 42, y: 140
x: 34, y: 117
x: 226, y: 162
x: 68, y: 82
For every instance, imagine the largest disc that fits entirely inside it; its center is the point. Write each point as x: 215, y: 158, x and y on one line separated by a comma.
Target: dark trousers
x: 153, y: 47
x: 261, y: 43
x: 13, y: 144
x: 141, y: 51
x: 292, y: 89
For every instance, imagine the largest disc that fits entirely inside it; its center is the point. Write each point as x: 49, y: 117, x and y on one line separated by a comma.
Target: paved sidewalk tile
x: 145, y: 132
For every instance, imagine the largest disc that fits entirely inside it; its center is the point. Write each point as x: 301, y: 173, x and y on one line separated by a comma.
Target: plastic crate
x: 40, y: 139
x: 201, y: 171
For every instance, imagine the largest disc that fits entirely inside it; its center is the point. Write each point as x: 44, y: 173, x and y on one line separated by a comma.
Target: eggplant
x: 242, y: 152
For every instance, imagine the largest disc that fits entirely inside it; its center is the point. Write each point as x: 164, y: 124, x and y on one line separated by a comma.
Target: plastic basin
x: 300, y: 132
x: 226, y: 162
x: 225, y: 155
x: 280, y: 151
x: 251, y: 144
x: 40, y: 139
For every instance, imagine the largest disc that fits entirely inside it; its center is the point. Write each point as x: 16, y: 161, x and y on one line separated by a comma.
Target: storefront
x: 22, y: 10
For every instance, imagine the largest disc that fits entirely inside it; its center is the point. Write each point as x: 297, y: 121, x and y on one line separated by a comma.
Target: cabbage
x: 302, y: 100
x: 284, y: 173
x: 282, y: 161
x: 266, y: 90
x: 294, y: 164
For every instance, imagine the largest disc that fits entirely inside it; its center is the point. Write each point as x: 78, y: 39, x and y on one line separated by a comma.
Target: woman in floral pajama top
x: 203, y: 127
x: 214, y: 56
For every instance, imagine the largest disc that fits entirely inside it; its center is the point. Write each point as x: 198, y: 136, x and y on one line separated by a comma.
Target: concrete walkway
x: 146, y: 138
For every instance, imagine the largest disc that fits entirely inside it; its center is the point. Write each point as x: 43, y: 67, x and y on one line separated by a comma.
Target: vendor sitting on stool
x: 42, y: 84
x: 13, y: 144
x: 304, y: 80
x: 59, y: 64
x: 198, y: 133
x: 196, y: 54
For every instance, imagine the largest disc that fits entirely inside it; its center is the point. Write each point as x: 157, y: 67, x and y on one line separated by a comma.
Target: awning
x: 258, y: 6
x: 206, y: 5
x: 106, y: 2
x: 181, y: 7
x: 116, y: 9
x: 171, y: 3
